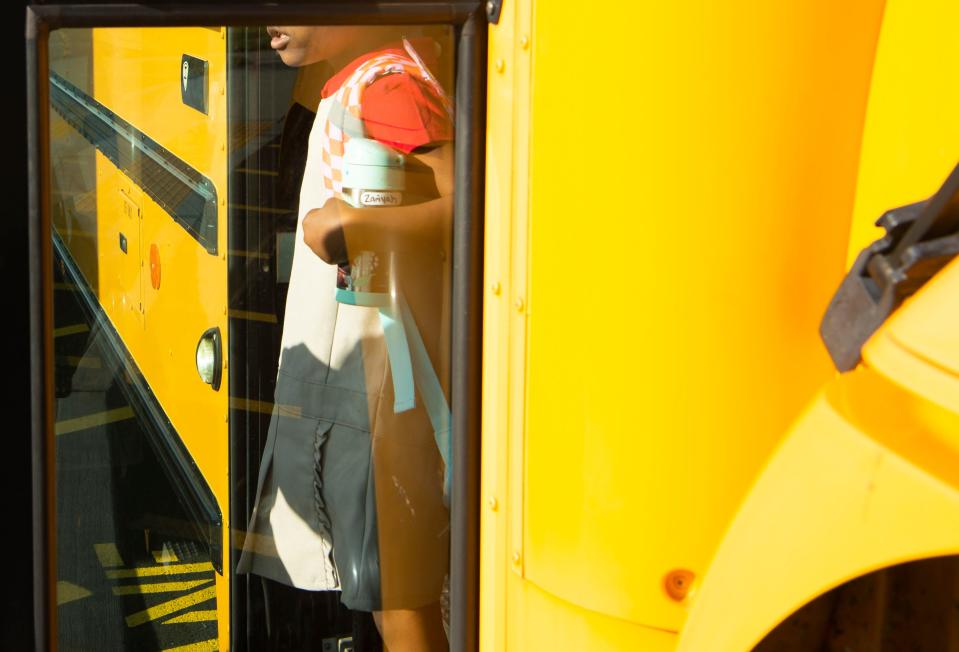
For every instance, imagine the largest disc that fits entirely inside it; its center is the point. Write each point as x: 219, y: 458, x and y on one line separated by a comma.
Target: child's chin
x: 293, y: 59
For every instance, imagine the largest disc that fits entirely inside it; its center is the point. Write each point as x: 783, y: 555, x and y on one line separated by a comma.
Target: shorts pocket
x: 320, y: 435
x: 349, y: 499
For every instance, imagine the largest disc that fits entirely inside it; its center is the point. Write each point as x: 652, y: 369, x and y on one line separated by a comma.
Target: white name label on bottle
x: 380, y: 198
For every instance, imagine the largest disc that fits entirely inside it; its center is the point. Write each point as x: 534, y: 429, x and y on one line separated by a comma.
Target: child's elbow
x: 324, y: 237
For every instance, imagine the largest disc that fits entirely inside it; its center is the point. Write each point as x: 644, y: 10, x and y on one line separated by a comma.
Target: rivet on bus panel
x: 496, y: 288
x: 500, y: 65
x: 524, y: 41
x: 493, y: 504
x: 677, y: 583
x: 520, y: 305
x: 517, y: 558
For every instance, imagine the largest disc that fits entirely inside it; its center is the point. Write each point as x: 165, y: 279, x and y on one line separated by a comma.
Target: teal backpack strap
x: 403, y: 370
x: 394, y: 332
x: 431, y: 391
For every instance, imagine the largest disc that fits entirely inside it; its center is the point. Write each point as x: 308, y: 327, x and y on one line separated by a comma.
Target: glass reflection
x: 290, y: 188
x: 134, y: 570
x: 353, y: 486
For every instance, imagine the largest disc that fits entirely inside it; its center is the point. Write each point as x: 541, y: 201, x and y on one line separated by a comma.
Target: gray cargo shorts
x: 373, y: 494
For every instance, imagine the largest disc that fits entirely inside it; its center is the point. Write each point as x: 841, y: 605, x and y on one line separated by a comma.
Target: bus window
x: 252, y: 237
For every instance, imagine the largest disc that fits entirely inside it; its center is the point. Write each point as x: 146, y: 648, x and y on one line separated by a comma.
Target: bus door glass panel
x: 340, y: 254
x: 212, y: 445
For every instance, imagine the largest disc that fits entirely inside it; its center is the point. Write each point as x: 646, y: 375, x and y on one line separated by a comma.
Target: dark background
x: 16, y: 631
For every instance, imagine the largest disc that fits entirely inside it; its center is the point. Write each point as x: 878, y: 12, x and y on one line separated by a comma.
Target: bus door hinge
x: 920, y: 240
x: 493, y: 10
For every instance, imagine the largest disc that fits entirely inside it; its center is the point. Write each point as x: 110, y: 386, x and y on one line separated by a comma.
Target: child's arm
x: 395, y: 228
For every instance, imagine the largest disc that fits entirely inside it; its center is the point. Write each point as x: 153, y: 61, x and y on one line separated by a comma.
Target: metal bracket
x: 920, y: 240
x: 493, y: 10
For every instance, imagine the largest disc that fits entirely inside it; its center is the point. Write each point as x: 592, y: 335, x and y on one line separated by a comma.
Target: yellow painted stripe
x: 155, y: 571
x: 78, y: 361
x: 170, y: 606
x: 165, y: 556
x: 248, y: 254
x: 108, y: 554
x: 261, y: 209
x: 253, y: 316
x: 197, y: 616
x: 67, y: 592
x: 79, y: 234
x: 202, y: 646
x: 83, y: 234
x: 156, y: 587
x: 63, y: 331
x: 93, y: 420
x: 264, y: 407
x: 248, y: 405
x: 266, y: 173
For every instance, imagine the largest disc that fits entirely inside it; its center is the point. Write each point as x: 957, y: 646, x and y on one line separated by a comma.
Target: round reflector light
x: 209, y: 358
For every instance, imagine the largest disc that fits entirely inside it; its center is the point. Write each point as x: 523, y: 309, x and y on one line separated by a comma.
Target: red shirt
x: 398, y: 110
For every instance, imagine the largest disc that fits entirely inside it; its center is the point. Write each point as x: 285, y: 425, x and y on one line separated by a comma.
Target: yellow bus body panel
x: 544, y: 622
x: 136, y: 74
x: 868, y: 478
x: 668, y: 211
x: 911, y: 133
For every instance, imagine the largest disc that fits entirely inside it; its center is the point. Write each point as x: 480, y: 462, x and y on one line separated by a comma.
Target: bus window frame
x: 469, y: 22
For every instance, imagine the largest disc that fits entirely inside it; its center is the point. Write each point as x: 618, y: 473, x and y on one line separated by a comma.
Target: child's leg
x: 412, y: 630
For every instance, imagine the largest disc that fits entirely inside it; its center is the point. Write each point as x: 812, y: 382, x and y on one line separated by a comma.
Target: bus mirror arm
x: 920, y: 240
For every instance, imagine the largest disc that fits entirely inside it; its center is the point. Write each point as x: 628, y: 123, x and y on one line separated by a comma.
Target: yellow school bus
x: 704, y: 335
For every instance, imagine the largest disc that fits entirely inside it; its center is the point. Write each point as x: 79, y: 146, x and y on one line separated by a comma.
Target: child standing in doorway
x: 351, y: 486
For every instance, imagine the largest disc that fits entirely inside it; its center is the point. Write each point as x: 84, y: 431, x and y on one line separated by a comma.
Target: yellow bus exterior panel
x: 689, y: 205
x: 544, y: 622
x: 119, y: 215
x: 915, y: 351
x: 833, y: 504
x: 136, y: 74
x: 911, y: 136
x: 900, y: 408
x: 192, y: 294
x: 867, y: 479
x: 500, y: 507
x: 929, y: 328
